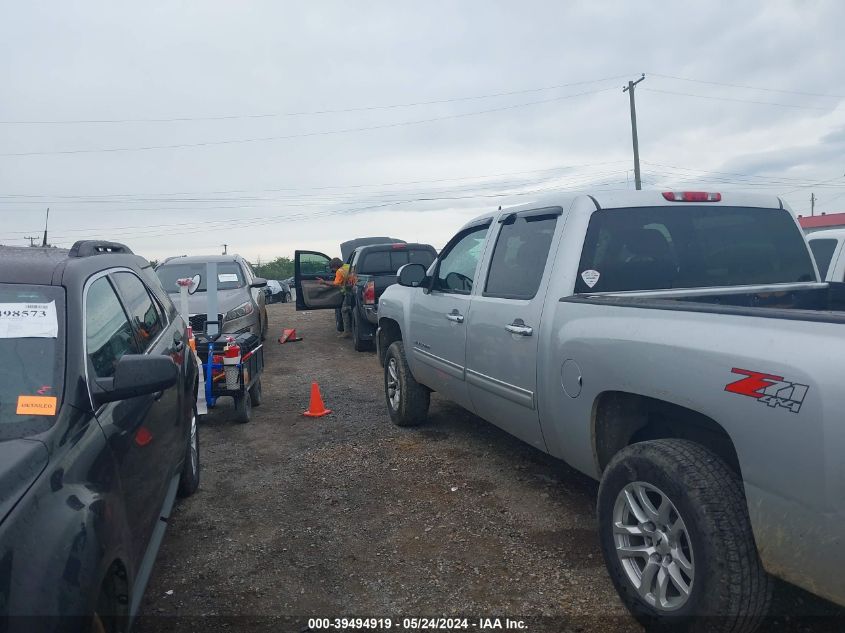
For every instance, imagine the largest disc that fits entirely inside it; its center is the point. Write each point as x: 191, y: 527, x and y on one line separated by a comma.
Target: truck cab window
x: 823, y: 252
x: 519, y: 257
x: 456, y: 270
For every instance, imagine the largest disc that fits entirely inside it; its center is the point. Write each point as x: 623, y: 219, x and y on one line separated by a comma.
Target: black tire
x: 410, y: 408
x: 286, y: 298
x: 255, y: 393
x: 360, y: 344
x: 728, y: 590
x: 243, y: 408
x: 189, y: 480
x: 264, y: 326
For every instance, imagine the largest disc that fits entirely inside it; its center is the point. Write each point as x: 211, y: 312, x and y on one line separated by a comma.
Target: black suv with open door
x: 372, y: 270
x: 97, y: 433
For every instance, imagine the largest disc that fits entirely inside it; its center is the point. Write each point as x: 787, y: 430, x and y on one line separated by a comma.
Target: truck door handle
x: 518, y: 327
x: 455, y: 316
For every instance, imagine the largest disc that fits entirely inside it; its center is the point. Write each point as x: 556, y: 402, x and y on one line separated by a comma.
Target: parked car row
x: 639, y: 337
x: 679, y: 347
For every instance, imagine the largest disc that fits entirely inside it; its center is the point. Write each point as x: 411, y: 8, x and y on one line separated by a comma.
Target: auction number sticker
x: 28, y: 320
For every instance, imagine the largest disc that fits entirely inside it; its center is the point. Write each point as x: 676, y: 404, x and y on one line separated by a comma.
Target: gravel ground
x: 350, y: 516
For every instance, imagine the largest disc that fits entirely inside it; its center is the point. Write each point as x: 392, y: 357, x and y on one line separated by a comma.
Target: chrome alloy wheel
x: 653, y: 545
x: 394, y: 391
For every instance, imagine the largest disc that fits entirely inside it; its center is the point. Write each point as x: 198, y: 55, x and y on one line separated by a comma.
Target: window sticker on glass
x: 36, y: 405
x: 28, y: 320
x: 227, y: 277
x: 590, y: 277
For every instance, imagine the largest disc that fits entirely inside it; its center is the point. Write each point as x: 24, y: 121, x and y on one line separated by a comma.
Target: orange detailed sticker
x: 36, y: 405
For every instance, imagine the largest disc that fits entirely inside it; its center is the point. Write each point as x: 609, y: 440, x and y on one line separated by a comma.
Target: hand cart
x: 229, y: 373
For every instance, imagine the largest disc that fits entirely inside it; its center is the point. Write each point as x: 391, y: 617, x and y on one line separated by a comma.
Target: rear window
x: 32, y: 348
x: 823, y: 252
x: 229, y: 275
x: 654, y: 248
x: 389, y: 262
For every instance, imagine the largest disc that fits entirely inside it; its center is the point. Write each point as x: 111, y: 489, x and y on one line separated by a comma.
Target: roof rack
x: 87, y: 248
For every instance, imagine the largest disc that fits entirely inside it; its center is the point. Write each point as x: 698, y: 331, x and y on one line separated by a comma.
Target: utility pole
x: 46, y: 222
x: 630, y: 90
x: 813, y: 204
x: 225, y: 248
x: 31, y: 239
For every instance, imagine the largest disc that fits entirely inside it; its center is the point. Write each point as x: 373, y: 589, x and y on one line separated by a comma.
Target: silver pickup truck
x: 676, y: 346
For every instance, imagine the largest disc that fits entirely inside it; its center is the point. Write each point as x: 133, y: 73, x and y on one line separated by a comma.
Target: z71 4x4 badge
x: 773, y: 390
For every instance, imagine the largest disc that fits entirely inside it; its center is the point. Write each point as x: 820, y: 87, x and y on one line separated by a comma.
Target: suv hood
x: 226, y: 300
x: 21, y: 461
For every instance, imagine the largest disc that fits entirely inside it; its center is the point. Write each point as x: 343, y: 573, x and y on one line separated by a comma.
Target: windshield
x: 32, y: 349
x: 229, y: 275
x: 654, y: 248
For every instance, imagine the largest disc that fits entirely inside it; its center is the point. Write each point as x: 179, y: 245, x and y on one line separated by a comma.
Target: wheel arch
x: 388, y: 332
x: 620, y: 419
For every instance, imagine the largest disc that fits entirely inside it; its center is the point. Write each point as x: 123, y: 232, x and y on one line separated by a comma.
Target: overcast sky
x: 272, y: 126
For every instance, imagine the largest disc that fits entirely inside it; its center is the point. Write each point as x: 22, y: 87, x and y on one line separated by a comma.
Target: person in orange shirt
x: 343, y: 315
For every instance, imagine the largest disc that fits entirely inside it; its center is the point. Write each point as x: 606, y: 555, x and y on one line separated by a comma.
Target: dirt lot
x: 348, y: 515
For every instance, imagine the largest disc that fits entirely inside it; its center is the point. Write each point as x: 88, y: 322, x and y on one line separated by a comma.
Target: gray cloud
x: 119, y: 60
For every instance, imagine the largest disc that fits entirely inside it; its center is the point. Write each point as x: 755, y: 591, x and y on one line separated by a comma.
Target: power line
x: 768, y: 103
x: 238, y: 223
x: 782, y: 180
x: 778, y: 90
x: 312, y: 112
x: 303, y: 135
x: 477, y: 190
x: 57, y: 197
x: 814, y: 184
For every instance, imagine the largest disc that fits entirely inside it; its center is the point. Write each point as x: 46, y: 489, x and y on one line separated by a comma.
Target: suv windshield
x: 32, y: 348
x: 229, y: 275
x: 653, y: 248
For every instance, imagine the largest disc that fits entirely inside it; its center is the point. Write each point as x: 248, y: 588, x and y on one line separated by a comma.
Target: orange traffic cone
x: 289, y: 336
x: 316, y: 408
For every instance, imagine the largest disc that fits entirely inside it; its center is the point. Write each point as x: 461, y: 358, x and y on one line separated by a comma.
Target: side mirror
x: 137, y: 375
x: 258, y: 283
x: 411, y: 275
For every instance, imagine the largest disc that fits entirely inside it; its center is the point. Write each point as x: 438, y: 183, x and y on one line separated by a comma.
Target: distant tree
x: 279, y: 268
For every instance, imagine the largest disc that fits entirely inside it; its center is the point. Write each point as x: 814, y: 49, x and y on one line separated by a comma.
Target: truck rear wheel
x: 407, y: 400
x: 360, y: 344
x: 677, y: 540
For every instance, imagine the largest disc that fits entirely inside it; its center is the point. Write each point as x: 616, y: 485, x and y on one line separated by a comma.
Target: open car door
x: 309, y: 268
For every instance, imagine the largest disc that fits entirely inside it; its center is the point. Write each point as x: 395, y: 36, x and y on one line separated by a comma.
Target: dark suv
x: 97, y: 433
